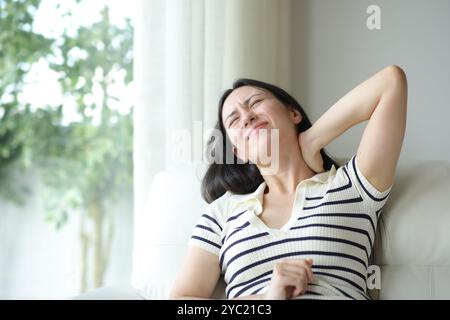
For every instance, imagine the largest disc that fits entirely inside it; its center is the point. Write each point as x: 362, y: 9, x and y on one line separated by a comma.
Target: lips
x: 257, y: 126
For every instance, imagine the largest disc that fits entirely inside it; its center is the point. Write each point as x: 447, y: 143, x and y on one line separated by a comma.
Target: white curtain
x: 187, y: 52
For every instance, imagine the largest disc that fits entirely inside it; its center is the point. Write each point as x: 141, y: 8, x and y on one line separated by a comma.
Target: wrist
x: 312, y: 141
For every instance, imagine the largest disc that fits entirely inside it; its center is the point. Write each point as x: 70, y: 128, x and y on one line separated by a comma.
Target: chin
x: 264, y: 149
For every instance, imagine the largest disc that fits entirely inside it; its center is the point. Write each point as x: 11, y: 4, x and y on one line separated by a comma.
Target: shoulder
x: 224, y: 208
x: 219, y: 209
x: 351, y: 173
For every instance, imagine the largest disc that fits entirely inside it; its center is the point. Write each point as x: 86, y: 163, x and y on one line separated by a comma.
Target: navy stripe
x: 206, y: 240
x: 362, y: 295
x: 328, y: 267
x: 378, y: 212
x: 353, y: 291
x: 237, y: 229
x: 238, y: 294
x: 344, y: 187
x: 313, y: 284
x: 348, y: 176
x: 341, y: 278
x: 289, y: 254
x: 206, y: 228
x: 239, y: 241
x: 344, y: 293
x: 228, y: 290
x: 236, y: 216
x: 318, y: 294
x: 338, y: 227
x: 258, y: 290
x: 270, y: 244
x: 363, y: 186
x: 213, y: 220
x: 346, y: 215
x: 315, y: 198
x: 329, y: 203
x: 313, y: 293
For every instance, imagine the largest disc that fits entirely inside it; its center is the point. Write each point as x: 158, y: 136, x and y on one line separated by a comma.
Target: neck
x: 291, y: 171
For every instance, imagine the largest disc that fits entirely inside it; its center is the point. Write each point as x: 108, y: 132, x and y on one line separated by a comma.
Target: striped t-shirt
x: 333, y: 221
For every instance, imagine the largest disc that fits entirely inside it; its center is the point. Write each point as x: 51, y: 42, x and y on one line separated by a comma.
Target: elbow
x: 177, y: 295
x: 174, y: 295
x: 396, y: 76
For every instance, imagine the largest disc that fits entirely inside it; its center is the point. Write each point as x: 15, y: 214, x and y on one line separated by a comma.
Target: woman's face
x: 250, y: 115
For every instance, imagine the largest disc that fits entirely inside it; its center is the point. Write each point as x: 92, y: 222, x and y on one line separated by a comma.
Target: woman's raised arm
x: 381, y: 99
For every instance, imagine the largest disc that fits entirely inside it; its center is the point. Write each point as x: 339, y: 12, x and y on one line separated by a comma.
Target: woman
x: 306, y: 230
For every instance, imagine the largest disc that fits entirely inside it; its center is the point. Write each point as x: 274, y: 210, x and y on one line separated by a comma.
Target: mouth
x: 257, y: 127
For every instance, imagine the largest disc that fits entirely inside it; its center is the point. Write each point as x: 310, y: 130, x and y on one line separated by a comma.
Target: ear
x: 295, y: 115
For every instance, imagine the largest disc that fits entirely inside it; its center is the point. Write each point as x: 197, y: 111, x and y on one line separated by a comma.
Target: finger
x: 300, y: 288
x: 294, y: 271
x: 310, y: 273
x: 302, y: 264
x: 298, y: 271
x: 293, y: 280
x: 307, y: 270
x: 291, y: 265
x: 297, y: 291
x: 290, y: 291
x: 293, y: 290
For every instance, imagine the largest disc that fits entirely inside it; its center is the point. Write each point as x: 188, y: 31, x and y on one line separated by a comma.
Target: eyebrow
x: 245, y: 102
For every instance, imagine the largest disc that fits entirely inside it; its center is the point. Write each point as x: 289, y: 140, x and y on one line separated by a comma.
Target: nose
x: 249, y: 118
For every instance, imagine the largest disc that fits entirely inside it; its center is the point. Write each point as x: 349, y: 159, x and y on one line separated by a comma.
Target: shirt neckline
x: 256, y: 198
x: 298, y: 203
x: 258, y: 194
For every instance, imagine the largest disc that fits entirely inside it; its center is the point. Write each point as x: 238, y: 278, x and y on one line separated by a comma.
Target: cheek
x: 236, y: 138
x: 282, y: 121
x: 236, y: 134
x: 241, y: 142
x: 274, y: 114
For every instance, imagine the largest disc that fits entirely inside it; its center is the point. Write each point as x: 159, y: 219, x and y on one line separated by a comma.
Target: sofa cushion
x: 163, y: 228
x: 413, y: 247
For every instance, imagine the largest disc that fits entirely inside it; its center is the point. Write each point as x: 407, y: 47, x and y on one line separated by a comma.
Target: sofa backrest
x: 163, y: 227
x: 412, y: 247
x: 413, y: 243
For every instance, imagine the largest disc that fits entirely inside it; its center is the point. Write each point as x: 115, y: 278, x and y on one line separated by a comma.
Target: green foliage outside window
x: 84, y: 163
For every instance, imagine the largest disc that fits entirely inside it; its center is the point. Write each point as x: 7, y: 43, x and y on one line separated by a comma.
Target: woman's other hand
x: 290, y: 279
x: 311, y: 155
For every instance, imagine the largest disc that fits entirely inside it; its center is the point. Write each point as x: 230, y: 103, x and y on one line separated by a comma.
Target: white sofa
x: 414, y: 253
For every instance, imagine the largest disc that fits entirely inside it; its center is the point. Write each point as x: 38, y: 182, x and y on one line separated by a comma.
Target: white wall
x: 37, y: 262
x: 334, y: 51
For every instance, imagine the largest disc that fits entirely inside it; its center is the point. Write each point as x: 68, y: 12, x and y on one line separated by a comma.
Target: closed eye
x: 256, y: 101
x: 233, y: 121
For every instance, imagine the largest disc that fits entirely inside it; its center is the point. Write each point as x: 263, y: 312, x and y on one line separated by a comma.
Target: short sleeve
x: 373, y: 197
x: 207, y: 233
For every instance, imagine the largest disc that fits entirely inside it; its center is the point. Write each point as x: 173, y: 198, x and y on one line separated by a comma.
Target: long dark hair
x: 243, y: 178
